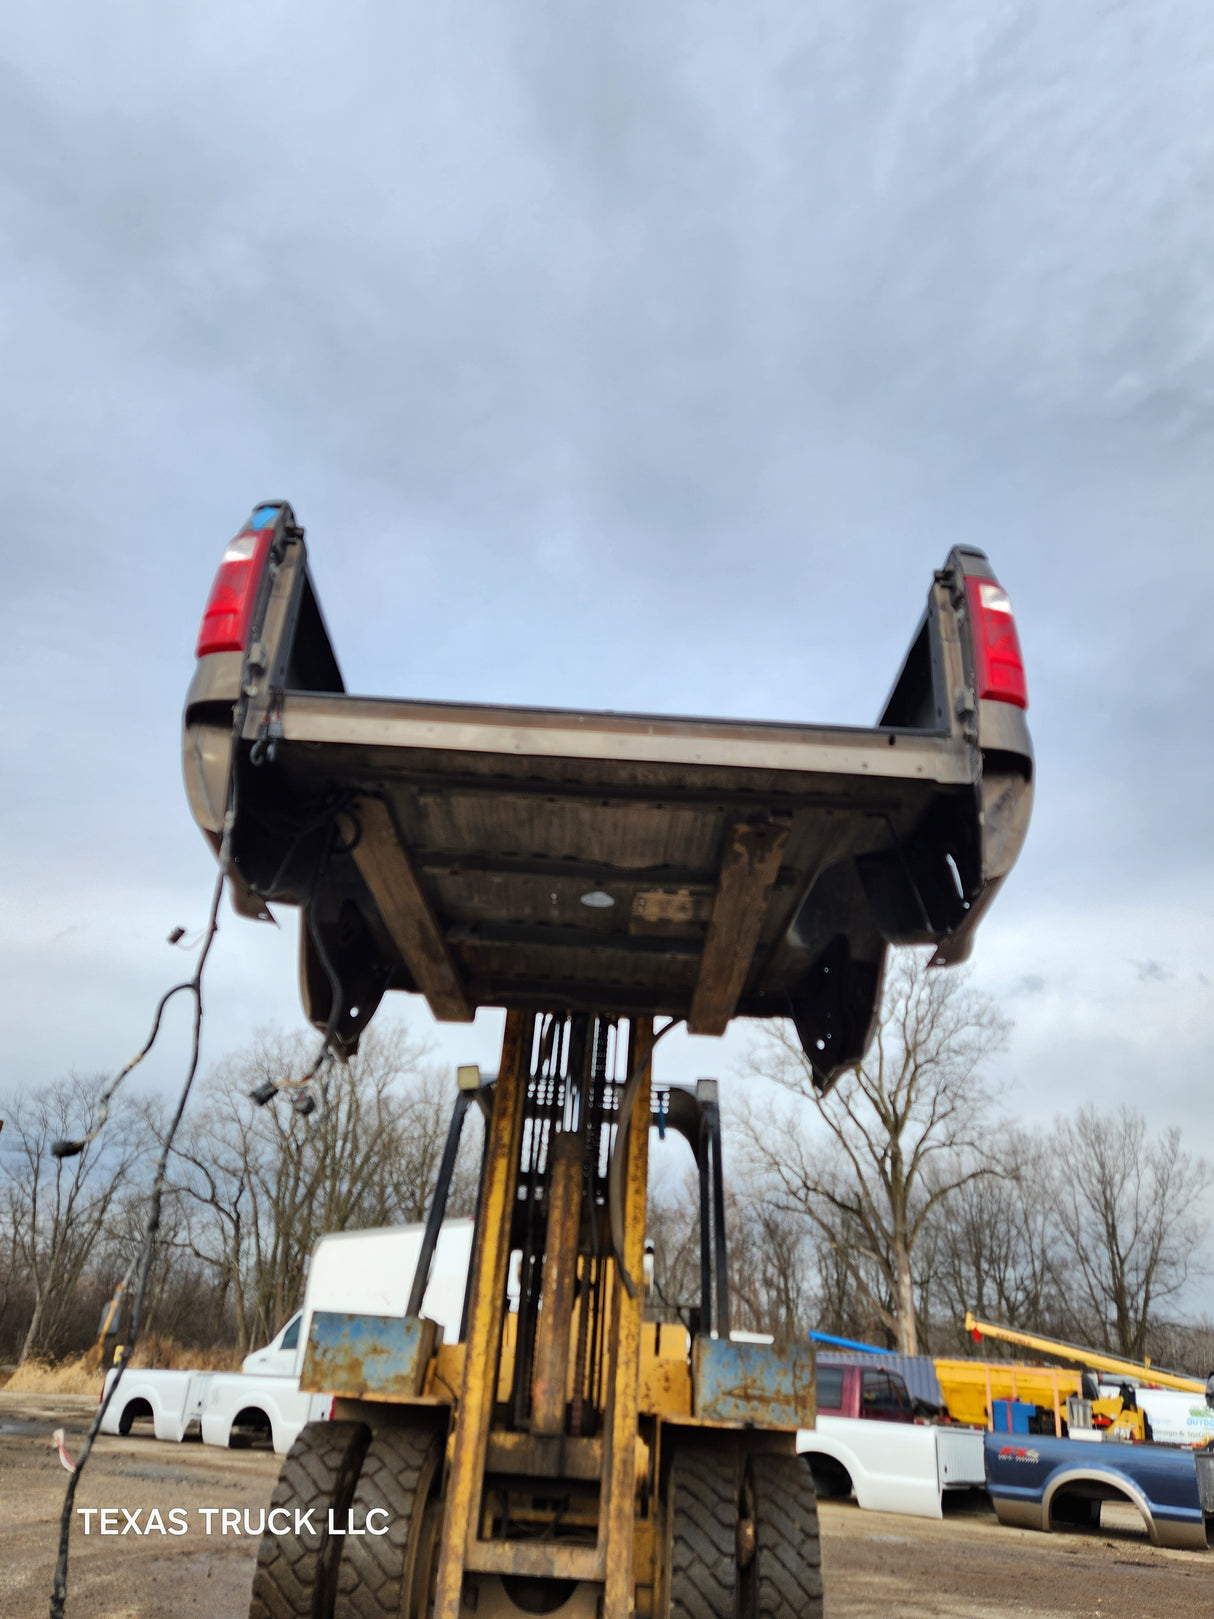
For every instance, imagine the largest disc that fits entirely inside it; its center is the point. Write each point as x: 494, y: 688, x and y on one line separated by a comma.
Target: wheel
x: 378, y: 1574
x: 425, y: 1566
x: 778, y: 1540
x: 296, y: 1572
x: 700, y: 1549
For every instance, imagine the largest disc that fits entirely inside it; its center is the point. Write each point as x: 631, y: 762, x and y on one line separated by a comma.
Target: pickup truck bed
x: 1039, y: 1482
x: 702, y: 868
x: 892, y: 1466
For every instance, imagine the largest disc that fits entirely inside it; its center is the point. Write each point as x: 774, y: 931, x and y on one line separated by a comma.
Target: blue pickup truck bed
x: 1039, y: 1482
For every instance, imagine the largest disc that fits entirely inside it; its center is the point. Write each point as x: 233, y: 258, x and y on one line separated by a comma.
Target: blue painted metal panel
x: 768, y: 1385
x: 367, y: 1356
x: 1011, y: 1416
x: 1022, y: 1471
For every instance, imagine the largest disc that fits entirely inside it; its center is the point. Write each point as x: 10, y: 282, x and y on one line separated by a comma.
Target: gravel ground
x: 877, y: 1566
x: 122, y: 1576
x: 969, y: 1566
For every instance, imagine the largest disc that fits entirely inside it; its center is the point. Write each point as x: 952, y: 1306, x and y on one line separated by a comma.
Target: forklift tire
x: 701, y: 1536
x: 296, y: 1572
x: 377, y: 1574
x: 782, y: 1578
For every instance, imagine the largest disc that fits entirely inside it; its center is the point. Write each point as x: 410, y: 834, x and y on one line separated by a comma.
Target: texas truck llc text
x: 232, y: 1521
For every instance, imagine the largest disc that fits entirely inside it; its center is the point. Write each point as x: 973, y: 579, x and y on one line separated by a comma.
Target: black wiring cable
x: 194, y: 986
x: 265, y: 1093
x: 326, y: 817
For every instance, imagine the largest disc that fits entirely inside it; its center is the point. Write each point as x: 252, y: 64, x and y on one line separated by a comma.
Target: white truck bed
x: 895, y: 1466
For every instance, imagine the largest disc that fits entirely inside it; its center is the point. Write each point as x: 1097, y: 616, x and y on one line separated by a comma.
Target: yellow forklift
x: 594, y: 875
x: 565, y: 1455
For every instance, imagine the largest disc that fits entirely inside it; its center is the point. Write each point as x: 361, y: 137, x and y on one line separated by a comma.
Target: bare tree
x: 770, y: 1273
x: 58, y: 1209
x: 261, y: 1185
x: 769, y: 1279
x: 14, y: 1283
x: 869, y: 1162
x: 1130, y: 1206
x: 997, y: 1243
x: 673, y: 1227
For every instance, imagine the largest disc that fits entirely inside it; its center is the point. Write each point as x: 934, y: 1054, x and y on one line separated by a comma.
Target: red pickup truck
x: 863, y: 1391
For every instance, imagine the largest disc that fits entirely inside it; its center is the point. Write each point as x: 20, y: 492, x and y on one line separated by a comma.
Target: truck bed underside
x: 701, y: 869
x: 542, y: 858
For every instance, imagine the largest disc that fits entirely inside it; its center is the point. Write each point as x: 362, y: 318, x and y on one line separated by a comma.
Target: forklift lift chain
x: 376, y: 1578
x: 701, y: 1573
x: 296, y: 1573
x: 783, y: 1577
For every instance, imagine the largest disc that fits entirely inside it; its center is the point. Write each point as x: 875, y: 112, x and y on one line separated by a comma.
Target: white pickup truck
x: 867, y: 1443
x: 359, y: 1272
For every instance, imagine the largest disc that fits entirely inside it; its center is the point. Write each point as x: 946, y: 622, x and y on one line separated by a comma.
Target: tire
x: 375, y: 1578
x: 296, y: 1573
x: 701, y: 1558
x: 783, y: 1579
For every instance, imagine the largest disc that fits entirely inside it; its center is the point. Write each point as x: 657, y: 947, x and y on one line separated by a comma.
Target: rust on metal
x: 617, y: 1507
x: 765, y: 1385
x: 487, y: 1304
x: 445, y: 1373
x: 385, y: 867
x: 749, y: 869
x: 560, y: 1284
x: 546, y: 1456
x: 543, y: 1560
x: 665, y: 1387
x: 367, y: 1357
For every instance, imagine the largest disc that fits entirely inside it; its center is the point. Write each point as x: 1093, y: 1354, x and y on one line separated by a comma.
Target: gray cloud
x: 637, y: 360
x: 1028, y: 984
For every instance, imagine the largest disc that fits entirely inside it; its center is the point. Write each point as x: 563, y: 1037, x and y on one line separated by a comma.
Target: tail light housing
x: 229, y: 609
x: 998, y: 661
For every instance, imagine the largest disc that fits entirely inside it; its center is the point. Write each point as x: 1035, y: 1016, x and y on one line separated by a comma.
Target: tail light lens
x: 998, y: 662
x: 229, y: 609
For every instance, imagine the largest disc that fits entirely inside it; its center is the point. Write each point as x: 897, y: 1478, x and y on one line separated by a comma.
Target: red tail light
x: 229, y: 609
x: 998, y: 663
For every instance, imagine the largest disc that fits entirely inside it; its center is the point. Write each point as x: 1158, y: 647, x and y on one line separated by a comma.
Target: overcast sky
x: 647, y: 359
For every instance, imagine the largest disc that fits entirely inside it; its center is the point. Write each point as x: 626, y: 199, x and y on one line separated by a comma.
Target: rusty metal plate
x: 757, y: 1385
x: 372, y: 1357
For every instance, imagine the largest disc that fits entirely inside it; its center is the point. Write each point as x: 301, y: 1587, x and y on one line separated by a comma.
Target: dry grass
x: 74, y: 1376
x: 161, y: 1351
x: 79, y: 1374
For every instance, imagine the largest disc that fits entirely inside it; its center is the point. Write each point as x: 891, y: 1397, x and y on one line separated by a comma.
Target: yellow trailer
x: 970, y: 1386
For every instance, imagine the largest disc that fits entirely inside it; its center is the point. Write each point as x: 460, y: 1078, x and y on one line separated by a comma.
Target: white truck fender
x: 171, y: 1396
x: 277, y: 1398
x: 893, y: 1465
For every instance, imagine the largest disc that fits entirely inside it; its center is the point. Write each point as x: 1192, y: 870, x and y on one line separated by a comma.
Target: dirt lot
x: 876, y: 1565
